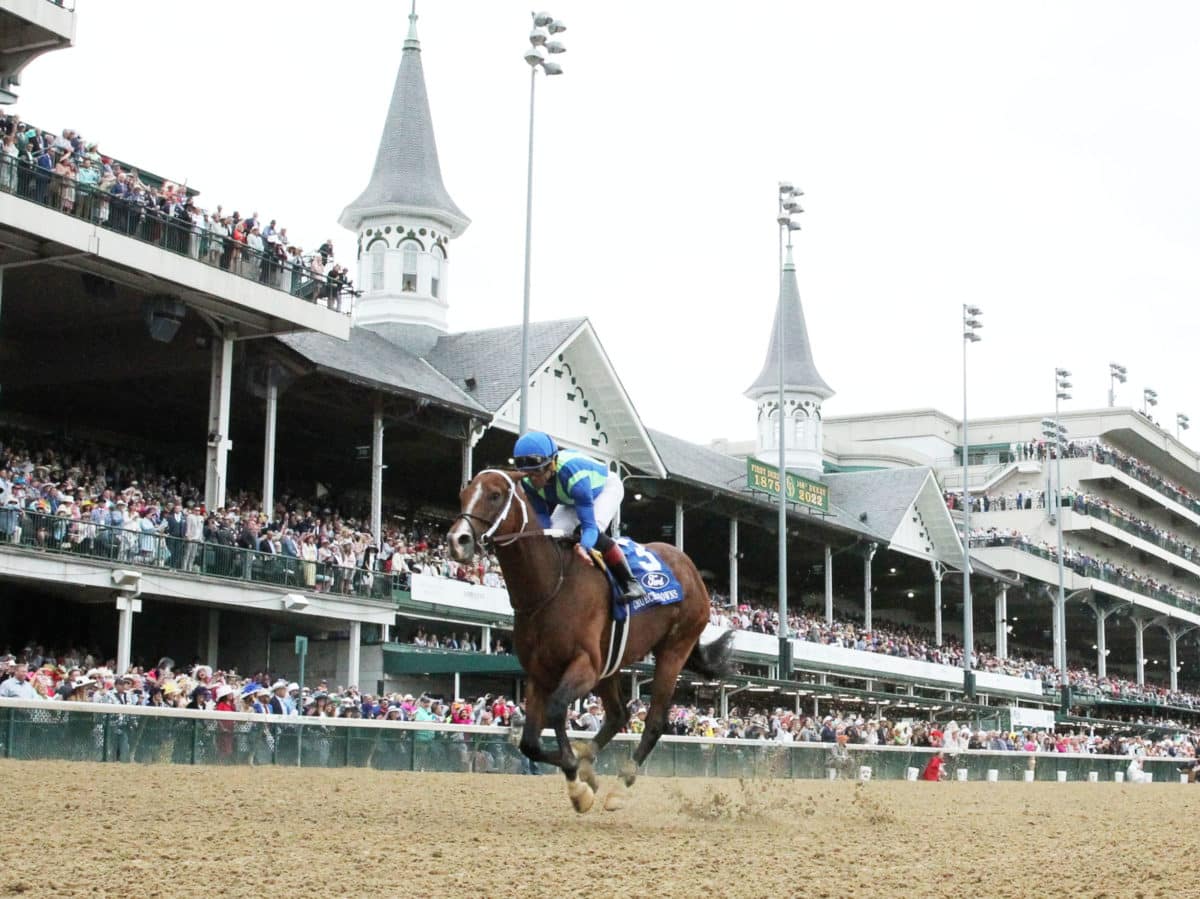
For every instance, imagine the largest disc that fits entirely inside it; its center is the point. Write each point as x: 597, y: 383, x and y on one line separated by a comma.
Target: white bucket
x: 831, y: 773
x: 1028, y: 776
x: 1119, y: 776
x: 864, y: 772
x: 993, y: 775
x: 960, y: 774
x: 910, y: 773
x: 1093, y: 777
x: 1183, y: 778
x: 1062, y: 777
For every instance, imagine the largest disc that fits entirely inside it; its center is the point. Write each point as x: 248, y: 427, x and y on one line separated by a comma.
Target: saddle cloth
x: 661, y: 586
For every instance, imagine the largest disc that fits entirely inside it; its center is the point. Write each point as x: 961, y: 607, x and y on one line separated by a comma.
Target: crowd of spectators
x: 77, y: 678
x: 1085, y: 564
x: 1088, y: 504
x: 1040, y: 450
x: 919, y: 645
x: 70, y: 173
x: 80, y: 498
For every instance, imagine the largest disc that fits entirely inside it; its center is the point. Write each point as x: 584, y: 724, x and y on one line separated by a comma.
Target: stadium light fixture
x: 1117, y: 373
x: 788, y: 206
x: 1149, y: 400
x: 1058, y: 434
x: 1182, y: 423
x: 971, y: 315
x: 544, y: 25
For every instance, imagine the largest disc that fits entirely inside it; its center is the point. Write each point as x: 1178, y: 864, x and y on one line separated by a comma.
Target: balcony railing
x: 152, y: 548
x: 1107, y: 574
x: 1139, y: 472
x: 1177, y: 547
x: 136, y: 216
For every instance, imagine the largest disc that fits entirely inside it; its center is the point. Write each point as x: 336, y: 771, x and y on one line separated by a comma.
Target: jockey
x: 569, y: 490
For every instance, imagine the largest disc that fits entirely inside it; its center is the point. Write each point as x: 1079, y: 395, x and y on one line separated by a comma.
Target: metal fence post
x: 195, y: 738
x: 12, y: 733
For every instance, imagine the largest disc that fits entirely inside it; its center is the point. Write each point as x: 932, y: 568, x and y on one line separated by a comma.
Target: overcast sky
x: 1036, y: 158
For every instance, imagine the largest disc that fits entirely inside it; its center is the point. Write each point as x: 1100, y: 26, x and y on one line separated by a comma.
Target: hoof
x: 584, y: 750
x: 587, y: 773
x: 628, y: 772
x: 616, y: 798
x: 582, y: 796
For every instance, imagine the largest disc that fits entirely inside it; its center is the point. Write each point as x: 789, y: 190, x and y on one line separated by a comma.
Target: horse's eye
x: 496, y: 497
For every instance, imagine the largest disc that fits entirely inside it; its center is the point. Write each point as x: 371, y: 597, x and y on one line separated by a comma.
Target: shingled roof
x: 407, y: 176
x: 800, y: 371
x: 492, y: 357
x: 368, y: 358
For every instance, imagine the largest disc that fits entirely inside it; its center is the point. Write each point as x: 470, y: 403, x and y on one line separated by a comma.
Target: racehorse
x: 562, y: 629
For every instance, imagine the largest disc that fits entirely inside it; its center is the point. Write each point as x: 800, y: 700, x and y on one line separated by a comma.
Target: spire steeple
x: 405, y: 219
x: 803, y: 386
x: 407, y: 178
x: 800, y: 371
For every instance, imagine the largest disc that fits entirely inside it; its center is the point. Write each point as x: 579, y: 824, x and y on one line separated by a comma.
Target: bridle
x: 505, y: 540
x: 493, y: 525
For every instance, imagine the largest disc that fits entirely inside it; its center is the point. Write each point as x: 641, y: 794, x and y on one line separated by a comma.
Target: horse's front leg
x: 576, y: 681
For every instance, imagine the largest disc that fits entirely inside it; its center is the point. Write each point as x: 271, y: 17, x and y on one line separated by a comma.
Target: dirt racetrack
x: 80, y: 829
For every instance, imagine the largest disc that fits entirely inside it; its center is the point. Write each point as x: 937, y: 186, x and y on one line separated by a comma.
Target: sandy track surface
x: 149, y: 831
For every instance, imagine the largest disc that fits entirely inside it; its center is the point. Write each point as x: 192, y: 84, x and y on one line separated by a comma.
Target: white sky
x: 1036, y: 158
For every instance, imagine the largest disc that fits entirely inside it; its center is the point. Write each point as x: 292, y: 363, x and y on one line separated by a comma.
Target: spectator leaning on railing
x: 68, y: 173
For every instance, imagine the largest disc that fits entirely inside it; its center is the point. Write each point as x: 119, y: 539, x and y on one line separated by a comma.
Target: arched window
x: 410, y: 250
x: 437, y: 255
x: 801, y: 429
x: 771, y: 437
x: 378, y: 252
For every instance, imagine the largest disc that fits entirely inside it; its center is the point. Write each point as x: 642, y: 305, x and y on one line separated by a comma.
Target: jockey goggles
x: 531, y: 463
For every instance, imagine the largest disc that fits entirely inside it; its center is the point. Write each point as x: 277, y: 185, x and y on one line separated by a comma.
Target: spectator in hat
x: 279, y: 702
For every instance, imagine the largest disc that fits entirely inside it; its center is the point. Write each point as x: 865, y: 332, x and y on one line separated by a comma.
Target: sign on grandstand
x: 764, y: 477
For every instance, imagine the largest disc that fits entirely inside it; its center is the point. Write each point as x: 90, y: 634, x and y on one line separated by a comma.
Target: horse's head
x: 492, y: 505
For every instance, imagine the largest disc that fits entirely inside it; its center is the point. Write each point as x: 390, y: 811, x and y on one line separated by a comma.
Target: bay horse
x: 561, y: 630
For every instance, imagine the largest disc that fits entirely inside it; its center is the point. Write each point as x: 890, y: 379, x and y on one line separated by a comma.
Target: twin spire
x: 800, y: 373
x: 407, y: 178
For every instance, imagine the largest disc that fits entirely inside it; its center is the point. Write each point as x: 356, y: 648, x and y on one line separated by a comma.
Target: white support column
x: 355, y: 662
x: 679, y: 526
x: 733, y: 561
x: 214, y: 636
x: 868, y: 555
x: 268, y: 502
x: 828, y: 584
x: 385, y: 633
x: 219, y: 444
x: 457, y: 686
x: 377, y: 470
x: 127, y: 607
x: 1002, y: 623
x: 468, y: 462
x: 1173, y: 657
x: 1139, y: 648
x: 1101, y: 613
x: 938, y: 571
x: 487, y: 639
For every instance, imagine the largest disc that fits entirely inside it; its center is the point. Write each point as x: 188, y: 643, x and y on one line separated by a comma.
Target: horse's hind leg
x: 668, y: 662
x: 616, y: 716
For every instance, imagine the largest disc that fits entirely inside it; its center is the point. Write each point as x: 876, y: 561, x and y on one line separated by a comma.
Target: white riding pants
x: 605, y: 507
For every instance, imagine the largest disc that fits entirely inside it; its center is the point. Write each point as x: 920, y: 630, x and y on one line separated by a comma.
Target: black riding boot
x: 630, y: 588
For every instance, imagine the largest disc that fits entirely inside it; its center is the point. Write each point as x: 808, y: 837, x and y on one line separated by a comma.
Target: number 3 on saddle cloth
x: 661, y: 586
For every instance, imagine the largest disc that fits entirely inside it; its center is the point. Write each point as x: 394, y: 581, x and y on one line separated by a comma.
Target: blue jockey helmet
x: 533, y: 451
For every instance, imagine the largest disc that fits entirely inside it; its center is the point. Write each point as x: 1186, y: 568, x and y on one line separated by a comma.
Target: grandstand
x: 145, y: 363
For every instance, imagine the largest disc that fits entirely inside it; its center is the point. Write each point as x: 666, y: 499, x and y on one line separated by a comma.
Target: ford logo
x: 654, y: 580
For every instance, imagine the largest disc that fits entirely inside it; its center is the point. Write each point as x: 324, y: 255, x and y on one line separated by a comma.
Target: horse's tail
x: 712, y: 659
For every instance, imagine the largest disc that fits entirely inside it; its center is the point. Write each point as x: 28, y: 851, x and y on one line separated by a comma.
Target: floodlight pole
x: 784, y: 648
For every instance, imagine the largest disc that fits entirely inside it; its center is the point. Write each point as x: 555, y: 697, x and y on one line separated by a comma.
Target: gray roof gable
x: 800, y: 371
x: 370, y: 359
x: 407, y: 175
x: 492, y: 357
x: 884, y: 495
